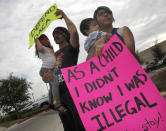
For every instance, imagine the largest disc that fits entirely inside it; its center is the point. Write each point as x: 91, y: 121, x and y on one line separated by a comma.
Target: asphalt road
x: 48, y: 121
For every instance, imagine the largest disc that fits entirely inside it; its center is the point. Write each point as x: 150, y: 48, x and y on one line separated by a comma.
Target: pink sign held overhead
x: 114, y: 93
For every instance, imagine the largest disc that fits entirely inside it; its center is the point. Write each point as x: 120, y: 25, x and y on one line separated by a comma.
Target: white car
x: 40, y: 103
x: 28, y: 106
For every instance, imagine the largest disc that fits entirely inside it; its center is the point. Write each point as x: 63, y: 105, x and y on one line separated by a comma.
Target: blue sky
x: 146, y: 19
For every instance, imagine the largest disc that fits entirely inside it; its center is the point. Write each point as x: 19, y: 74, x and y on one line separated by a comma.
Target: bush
x: 6, y: 118
x: 13, y: 116
x: 32, y: 112
x: 22, y: 115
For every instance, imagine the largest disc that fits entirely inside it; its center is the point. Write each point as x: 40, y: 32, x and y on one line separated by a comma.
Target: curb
x: 12, y: 126
x: 35, y: 115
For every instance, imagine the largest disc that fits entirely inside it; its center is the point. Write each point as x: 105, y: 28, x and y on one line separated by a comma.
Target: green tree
x: 14, y: 92
x: 139, y: 59
x: 157, y: 51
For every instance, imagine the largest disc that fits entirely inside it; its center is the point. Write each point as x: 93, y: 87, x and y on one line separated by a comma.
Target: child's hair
x: 48, y: 46
x: 84, y: 25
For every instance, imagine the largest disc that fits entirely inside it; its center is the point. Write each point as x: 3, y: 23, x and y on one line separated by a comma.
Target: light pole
x: 0, y: 109
x: 47, y: 87
x: 1, y: 83
x: 33, y: 97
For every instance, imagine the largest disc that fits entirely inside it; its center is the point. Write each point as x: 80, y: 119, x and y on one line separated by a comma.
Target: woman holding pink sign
x: 105, y: 19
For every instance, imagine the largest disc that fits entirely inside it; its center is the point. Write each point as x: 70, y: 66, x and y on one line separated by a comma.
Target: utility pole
x: 47, y: 86
x: 33, y: 97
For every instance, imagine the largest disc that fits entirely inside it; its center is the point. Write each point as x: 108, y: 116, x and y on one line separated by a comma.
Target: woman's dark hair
x: 41, y: 37
x: 84, y: 25
x: 64, y: 32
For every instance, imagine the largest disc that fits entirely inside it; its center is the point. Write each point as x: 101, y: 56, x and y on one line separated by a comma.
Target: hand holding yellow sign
x: 43, y: 23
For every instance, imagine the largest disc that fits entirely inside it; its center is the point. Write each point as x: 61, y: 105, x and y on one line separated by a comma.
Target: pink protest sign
x: 114, y: 93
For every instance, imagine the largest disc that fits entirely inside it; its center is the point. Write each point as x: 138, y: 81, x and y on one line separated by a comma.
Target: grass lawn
x: 10, y: 123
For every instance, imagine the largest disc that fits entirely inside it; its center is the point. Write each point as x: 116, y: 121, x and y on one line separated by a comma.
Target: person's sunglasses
x: 104, y: 13
x: 58, y: 34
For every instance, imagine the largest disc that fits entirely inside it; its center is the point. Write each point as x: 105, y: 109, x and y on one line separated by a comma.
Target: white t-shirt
x: 48, y: 58
x: 92, y: 38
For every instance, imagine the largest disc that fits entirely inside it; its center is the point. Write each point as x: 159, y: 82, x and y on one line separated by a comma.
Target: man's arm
x: 74, y: 38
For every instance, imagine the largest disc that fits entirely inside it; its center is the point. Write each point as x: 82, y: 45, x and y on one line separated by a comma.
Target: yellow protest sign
x: 43, y: 23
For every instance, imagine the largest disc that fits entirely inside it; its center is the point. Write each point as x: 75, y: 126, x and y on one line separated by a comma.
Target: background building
x: 147, y: 55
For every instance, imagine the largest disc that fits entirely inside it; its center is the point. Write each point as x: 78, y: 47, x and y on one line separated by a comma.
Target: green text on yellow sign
x: 43, y: 23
